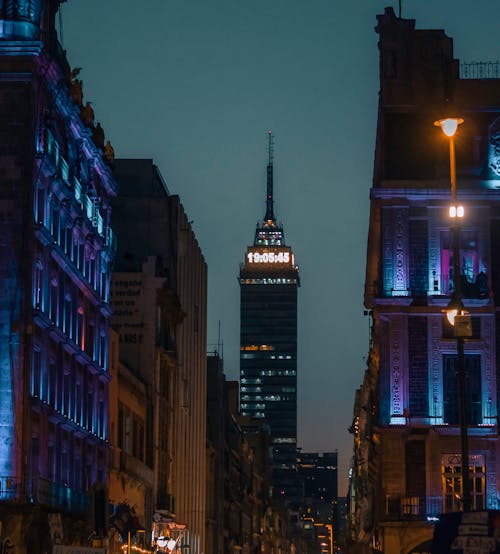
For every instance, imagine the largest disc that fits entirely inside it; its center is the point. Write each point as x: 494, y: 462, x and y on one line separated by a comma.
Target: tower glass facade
x: 268, y: 340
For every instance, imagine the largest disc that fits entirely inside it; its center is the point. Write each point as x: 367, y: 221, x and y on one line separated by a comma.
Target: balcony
x: 472, y: 286
x: 411, y: 508
x: 46, y: 493
x: 59, y: 496
x: 10, y: 488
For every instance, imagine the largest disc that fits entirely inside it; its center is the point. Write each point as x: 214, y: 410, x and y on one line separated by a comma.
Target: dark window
x: 472, y: 387
x: 415, y: 468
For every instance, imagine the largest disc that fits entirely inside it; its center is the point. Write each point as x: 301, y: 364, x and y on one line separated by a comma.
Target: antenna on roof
x: 399, y: 2
x: 269, y: 198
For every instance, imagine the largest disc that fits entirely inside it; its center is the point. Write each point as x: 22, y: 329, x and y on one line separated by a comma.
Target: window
x: 473, y: 387
x: 39, y: 204
x: 78, y: 397
x: 101, y: 408
x: 103, y: 351
x: 80, y: 251
x: 66, y: 392
x: 88, y: 345
x: 473, y: 278
x: 121, y: 417
x: 67, y: 311
x: 80, y: 331
x: 53, y: 299
x: 55, y: 222
x: 452, y: 482
x: 126, y: 441
x: 90, y: 407
x: 52, y: 383
x: 37, y: 284
x: 36, y: 373
x: 130, y: 432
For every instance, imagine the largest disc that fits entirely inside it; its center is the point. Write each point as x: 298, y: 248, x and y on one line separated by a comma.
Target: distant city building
x: 269, y: 279
x: 318, y: 473
x: 216, y: 455
x: 159, y: 311
x: 238, y: 478
x: 407, y: 448
x: 55, y: 260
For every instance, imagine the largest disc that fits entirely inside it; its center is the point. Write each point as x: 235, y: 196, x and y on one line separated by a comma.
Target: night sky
x: 196, y: 85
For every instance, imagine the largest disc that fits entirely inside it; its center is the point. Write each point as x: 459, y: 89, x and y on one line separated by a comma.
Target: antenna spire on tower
x: 269, y: 198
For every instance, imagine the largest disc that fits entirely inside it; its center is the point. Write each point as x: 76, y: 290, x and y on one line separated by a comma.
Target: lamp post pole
x: 462, y: 404
x: 449, y: 127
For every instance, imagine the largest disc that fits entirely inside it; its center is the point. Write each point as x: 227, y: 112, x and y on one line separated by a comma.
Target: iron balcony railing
x: 44, y: 492
x: 10, y: 488
x: 405, y: 508
x: 398, y: 508
x: 60, y: 496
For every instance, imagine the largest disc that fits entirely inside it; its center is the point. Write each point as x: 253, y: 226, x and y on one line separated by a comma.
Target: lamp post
x: 455, y: 311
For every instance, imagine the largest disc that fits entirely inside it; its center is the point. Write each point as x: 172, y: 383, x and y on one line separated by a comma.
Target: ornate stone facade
x: 407, y: 451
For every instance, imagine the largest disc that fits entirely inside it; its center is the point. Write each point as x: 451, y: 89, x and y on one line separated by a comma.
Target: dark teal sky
x: 195, y: 85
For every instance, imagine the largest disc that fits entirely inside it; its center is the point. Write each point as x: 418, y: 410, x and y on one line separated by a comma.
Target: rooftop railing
x: 480, y: 70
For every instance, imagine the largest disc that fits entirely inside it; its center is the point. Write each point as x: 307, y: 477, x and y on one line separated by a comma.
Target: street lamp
x: 455, y: 312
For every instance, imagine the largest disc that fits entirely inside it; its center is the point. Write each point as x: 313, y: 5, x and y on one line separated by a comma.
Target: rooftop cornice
x: 21, y: 47
x: 403, y: 189
x: 56, y: 82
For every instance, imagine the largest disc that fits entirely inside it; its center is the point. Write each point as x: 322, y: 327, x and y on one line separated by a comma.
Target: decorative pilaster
x: 488, y: 393
x: 398, y: 352
x: 395, y: 251
x: 436, y: 409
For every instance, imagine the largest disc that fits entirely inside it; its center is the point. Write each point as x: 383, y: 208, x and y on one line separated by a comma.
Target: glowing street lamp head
x: 454, y: 308
x: 456, y: 211
x: 450, y: 315
x: 449, y: 125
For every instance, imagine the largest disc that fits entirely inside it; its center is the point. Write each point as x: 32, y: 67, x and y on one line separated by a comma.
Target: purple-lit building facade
x: 55, y: 263
x: 407, y: 455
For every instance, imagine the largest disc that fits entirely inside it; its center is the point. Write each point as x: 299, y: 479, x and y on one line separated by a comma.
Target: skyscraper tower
x: 268, y: 340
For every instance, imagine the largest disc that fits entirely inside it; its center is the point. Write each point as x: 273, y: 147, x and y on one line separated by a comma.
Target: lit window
x: 451, y: 476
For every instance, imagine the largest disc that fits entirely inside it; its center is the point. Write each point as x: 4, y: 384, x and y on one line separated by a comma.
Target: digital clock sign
x: 269, y: 257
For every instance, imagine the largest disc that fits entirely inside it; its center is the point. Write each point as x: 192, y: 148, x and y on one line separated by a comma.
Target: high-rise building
x: 55, y: 260
x: 408, y: 453
x: 269, y: 279
x: 318, y: 474
x: 159, y: 295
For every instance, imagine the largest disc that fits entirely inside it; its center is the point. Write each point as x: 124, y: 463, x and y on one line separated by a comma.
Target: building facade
x: 318, y: 473
x: 55, y: 260
x: 131, y: 477
x: 407, y: 463
x: 269, y: 280
x: 159, y: 311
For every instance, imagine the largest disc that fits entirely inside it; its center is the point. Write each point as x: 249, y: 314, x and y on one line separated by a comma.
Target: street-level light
x: 455, y: 312
x: 449, y: 125
x: 456, y: 211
